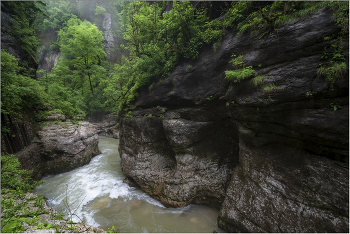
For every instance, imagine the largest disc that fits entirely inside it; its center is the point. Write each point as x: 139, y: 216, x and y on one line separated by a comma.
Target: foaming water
x: 99, y: 197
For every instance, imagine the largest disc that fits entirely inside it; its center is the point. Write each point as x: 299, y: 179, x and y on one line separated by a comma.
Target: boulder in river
x: 60, y: 147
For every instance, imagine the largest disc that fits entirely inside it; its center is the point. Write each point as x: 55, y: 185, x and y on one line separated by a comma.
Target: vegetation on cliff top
x: 153, y: 38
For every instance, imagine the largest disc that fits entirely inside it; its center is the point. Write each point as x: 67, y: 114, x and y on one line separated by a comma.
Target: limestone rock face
x: 107, y: 124
x: 273, y: 160
x: 179, y: 161
x: 109, y: 40
x: 60, y: 147
x: 66, y: 146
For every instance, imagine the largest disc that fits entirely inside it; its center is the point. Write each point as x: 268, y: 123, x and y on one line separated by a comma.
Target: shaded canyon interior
x: 273, y: 161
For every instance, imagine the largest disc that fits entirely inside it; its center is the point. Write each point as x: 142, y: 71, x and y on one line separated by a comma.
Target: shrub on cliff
x: 18, y: 91
x: 157, y: 37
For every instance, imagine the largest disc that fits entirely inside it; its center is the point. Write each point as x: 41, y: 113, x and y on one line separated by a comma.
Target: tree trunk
x: 92, y: 91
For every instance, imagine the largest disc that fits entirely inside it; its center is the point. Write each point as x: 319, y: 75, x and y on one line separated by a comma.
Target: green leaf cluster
x: 21, y: 25
x: 18, y: 91
x: 241, y: 71
x: 333, y: 66
x: 156, y: 39
x: 14, y: 179
x: 75, y: 81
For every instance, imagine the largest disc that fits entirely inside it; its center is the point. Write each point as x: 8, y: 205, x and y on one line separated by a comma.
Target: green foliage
x: 12, y: 178
x: 258, y: 80
x: 241, y: 72
x: 189, y: 68
x: 21, y: 26
x: 335, y: 106
x: 269, y: 88
x: 66, y: 101
x: 100, y: 11
x: 76, y: 79
x: 42, y: 115
x: 333, y: 66
x: 13, y: 224
x: 18, y: 91
x: 57, y: 13
x: 308, y: 94
x: 112, y: 230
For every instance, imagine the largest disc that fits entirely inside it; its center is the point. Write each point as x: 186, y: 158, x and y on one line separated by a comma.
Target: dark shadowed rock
x: 176, y: 161
x: 273, y: 160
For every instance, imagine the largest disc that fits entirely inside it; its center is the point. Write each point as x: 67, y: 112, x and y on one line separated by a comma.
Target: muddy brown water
x: 96, y: 194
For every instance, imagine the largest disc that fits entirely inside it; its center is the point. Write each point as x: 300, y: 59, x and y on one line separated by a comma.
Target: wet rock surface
x: 67, y: 146
x: 272, y: 161
x: 60, y: 147
x: 107, y: 124
x: 176, y: 161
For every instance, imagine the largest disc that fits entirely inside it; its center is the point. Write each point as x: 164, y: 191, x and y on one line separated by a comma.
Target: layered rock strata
x: 272, y: 157
x: 106, y: 123
x: 60, y: 147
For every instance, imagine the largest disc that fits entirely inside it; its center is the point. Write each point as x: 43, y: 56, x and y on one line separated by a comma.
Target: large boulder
x: 67, y: 146
x: 272, y: 160
x: 60, y: 147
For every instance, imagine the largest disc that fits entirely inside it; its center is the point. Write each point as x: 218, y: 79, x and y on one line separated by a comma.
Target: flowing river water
x: 97, y: 195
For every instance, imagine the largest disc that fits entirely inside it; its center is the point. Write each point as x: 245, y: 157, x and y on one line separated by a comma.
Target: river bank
x: 31, y: 214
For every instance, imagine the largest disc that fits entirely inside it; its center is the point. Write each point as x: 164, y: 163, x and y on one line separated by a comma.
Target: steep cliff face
x: 271, y: 161
x: 49, y: 58
x: 109, y: 39
x: 9, y: 42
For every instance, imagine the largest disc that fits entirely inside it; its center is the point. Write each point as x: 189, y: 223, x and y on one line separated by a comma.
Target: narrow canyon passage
x: 97, y: 192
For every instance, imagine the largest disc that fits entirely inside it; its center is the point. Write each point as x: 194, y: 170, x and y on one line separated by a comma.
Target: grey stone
x: 270, y: 161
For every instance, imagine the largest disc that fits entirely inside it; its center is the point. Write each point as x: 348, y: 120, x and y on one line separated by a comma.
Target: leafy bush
x: 268, y: 88
x: 68, y: 101
x: 18, y: 91
x: 13, y: 179
x: 100, y: 11
x: 241, y: 71
x: 333, y: 66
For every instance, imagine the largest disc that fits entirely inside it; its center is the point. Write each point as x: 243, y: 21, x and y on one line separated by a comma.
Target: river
x: 96, y: 194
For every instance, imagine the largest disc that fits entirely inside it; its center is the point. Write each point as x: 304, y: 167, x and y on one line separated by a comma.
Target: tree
x: 82, y: 49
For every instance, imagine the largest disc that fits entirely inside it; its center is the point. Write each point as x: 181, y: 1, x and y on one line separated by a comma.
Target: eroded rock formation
x: 271, y: 161
x: 106, y: 123
x: 60, y: 147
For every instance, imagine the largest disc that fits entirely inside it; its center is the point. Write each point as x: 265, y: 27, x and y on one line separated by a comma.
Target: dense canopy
x: 149, y: 39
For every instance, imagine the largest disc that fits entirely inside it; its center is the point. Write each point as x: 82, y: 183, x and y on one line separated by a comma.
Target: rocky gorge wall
x: 270, y: 161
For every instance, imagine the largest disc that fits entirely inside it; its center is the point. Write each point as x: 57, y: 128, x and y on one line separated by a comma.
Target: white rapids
x: 96, y: 194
